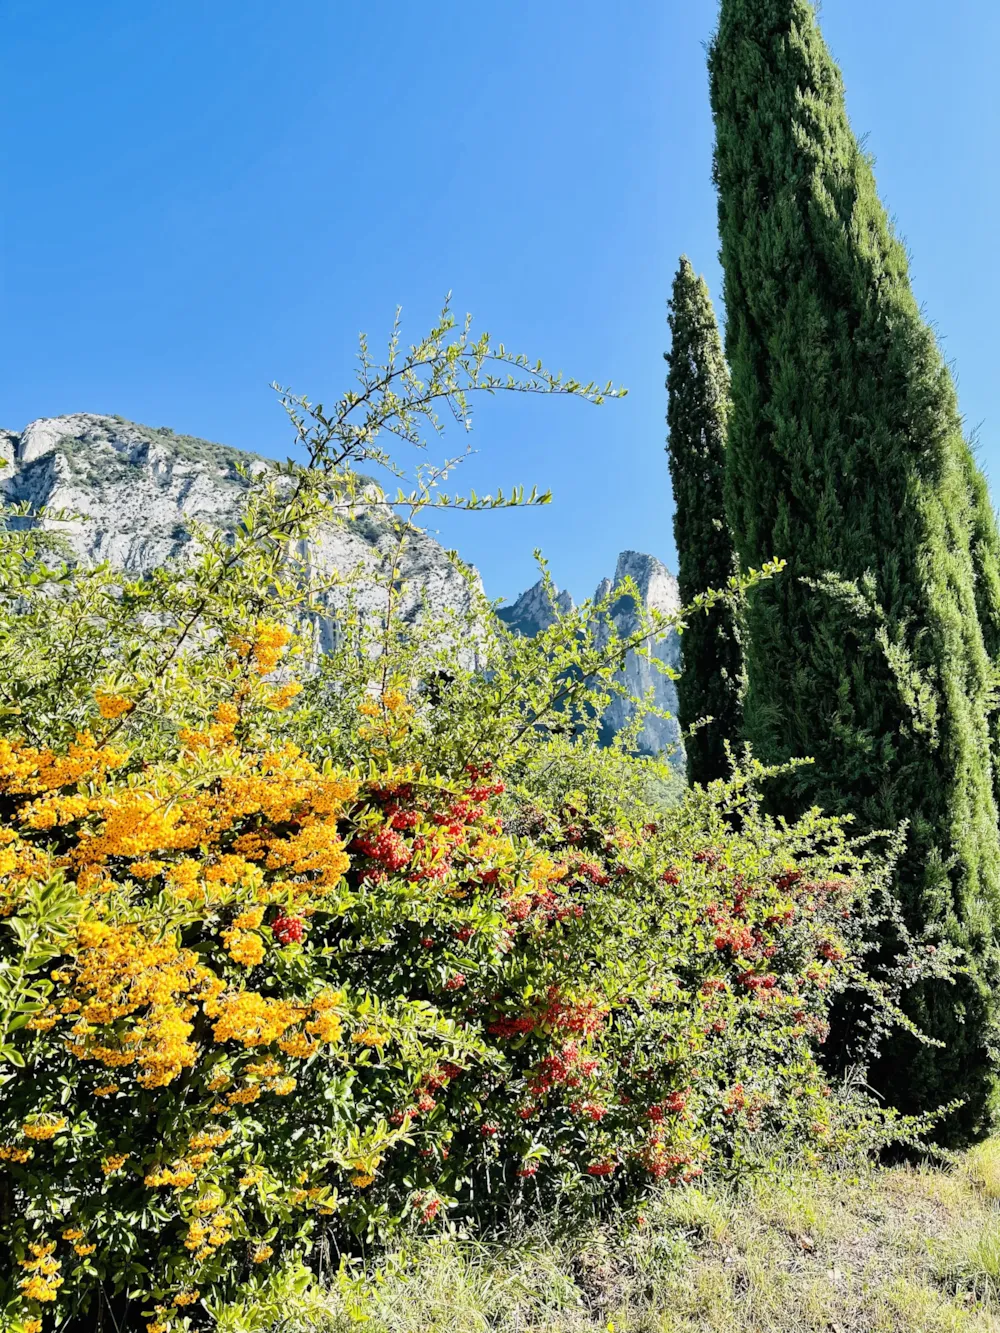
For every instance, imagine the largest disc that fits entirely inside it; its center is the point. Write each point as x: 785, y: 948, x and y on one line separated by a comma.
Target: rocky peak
x: 534, y: 611
x: 653, y: 579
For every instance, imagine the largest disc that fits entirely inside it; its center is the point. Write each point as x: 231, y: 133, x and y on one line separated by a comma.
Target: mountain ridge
x: 135, y: 488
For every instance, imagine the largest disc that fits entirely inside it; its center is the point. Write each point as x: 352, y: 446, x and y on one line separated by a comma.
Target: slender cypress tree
x: 846, y: 457
x: 710, y: 684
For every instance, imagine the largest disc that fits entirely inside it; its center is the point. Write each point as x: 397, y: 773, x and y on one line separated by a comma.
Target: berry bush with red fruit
x: 403, y: 999
x: 653, y: 998
x: 287, y: 964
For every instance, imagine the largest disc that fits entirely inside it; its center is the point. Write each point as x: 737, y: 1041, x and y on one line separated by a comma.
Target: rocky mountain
x: 134, y: 489
x: 533, y: 612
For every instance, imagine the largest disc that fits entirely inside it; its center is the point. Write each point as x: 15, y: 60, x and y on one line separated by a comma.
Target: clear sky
x: 202, y: 196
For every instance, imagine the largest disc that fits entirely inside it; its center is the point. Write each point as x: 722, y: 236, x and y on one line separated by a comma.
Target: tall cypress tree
x: 710, y: 684
x: 846, y: 456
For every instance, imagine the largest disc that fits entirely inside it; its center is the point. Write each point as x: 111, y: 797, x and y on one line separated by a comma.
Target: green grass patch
x: 893, y: 1250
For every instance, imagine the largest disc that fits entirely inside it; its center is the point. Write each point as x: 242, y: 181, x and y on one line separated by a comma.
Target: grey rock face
x: 533, y: 612
x: 133, y: 489
x: 7, y: 442
x: 658, y: 590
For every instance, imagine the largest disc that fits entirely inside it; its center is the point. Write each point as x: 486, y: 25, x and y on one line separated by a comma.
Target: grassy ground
x: 900, y: 1250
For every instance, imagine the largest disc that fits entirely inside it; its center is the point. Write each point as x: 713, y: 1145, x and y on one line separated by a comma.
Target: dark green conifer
x: 697, y: 407
x: 985, y: 538
x: 846, y: 457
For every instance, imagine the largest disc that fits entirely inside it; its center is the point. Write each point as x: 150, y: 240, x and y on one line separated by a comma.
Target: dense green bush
x: 295, y: 1007
x: 298, y: 952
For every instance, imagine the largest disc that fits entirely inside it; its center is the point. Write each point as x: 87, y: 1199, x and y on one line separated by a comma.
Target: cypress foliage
x: 986, y: 563
x: 846, y: 456
x: 710, y: 685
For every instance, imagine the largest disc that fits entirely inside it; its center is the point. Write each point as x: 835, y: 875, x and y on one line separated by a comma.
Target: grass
x: 897, y: 1250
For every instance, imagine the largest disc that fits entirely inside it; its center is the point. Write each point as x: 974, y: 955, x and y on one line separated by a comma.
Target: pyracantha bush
x: 283, y: 965
x: 283, y: 1005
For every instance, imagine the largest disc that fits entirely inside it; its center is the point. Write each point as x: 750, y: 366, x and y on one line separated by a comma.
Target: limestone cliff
x: 134, y: 489
x: 533, y: 612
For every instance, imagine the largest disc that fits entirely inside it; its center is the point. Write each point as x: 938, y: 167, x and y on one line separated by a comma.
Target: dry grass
x: 900, y: 1250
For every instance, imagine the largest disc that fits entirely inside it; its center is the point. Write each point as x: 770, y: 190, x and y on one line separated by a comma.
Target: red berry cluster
x: 567, y: 1068
x: 507, y: 1028
x: 288, y: 929
x: 592, y: 1110
x: 593, y: 872
x: 578, y: 1016
x: 605, y: 1168
x: 384, y: 846
x: 427, y: 1209
x: 674, y: 1167
x: 403, y: 819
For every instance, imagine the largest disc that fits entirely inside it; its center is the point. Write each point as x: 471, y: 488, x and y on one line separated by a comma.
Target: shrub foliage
x: 295, y: 952
x: 295, y: 1004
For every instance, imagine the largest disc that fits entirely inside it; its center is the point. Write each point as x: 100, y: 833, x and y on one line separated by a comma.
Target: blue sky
x: 202, y: 197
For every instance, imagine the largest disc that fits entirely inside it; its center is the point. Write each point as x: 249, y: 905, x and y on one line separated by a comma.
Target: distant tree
x: 710, y: 684
x: 846, y: 457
